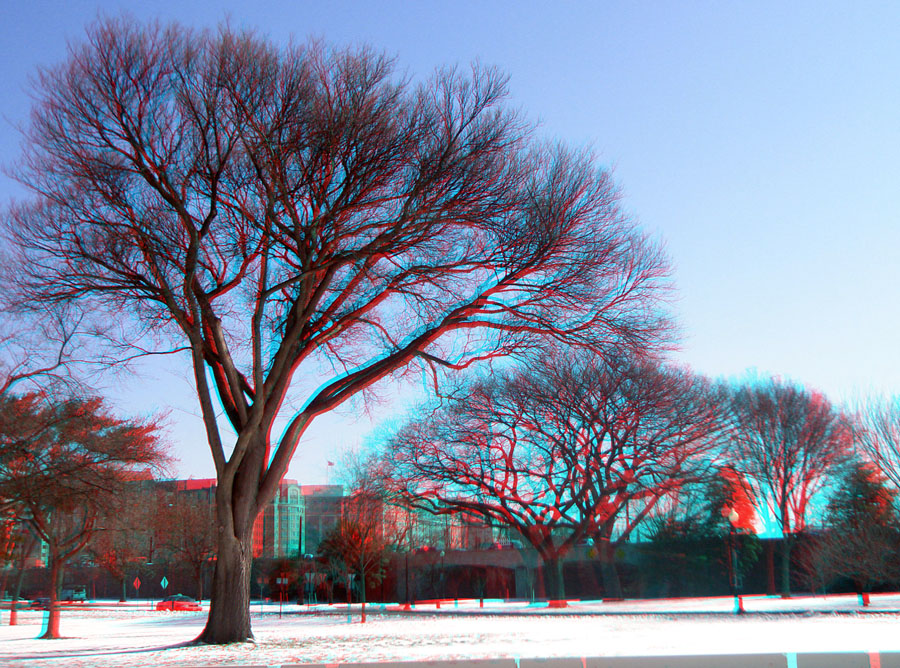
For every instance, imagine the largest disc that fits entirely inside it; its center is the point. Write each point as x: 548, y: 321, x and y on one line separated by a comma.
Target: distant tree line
x: 570, y: 446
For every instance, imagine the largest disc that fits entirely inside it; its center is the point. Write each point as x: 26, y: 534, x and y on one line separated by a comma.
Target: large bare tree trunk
x: 553, y: 579
x: 612, y: 586
x: 17, y: 590
x: 229, y: 610
x: 20, y: 578
x: 786, y: 566
x: 236, y: 510
x: 52, y: 629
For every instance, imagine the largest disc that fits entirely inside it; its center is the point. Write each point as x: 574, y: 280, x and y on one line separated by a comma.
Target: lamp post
x: 406, y: 589
x: 443, y: 578
x: 282, y: 582
x: 733, y: 517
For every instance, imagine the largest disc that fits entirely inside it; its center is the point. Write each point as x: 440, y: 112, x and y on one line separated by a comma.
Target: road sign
x: 164, y: 582
x: 137, y: 583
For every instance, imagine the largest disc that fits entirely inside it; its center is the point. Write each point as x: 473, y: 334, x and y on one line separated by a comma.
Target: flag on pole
x: 330, y: 463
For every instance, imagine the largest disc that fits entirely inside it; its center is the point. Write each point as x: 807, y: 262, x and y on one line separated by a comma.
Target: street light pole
x: 732, y: 554
x: 408, y: 599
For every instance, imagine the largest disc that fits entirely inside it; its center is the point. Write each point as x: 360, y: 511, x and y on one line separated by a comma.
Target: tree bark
x: 786, y: 566
x: 553, y: 579
x: 237, y: 504
x: 51, y: 631
x: 612, y: 586
x: 362, y: 592
x: 229, y: 610
x: 20, y: 578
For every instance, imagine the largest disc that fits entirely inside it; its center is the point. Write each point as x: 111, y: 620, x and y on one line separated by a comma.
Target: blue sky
x: 760, y: 141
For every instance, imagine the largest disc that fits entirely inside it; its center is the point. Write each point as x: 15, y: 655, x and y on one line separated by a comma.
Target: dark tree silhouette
x: 557, y: 451
x: 275, y: 213
x: 689, y: 528
x: 788, y: 440
x: 861, y: 538
x: 60, y: 464
x: 653, y: 430
x: 358, y: 546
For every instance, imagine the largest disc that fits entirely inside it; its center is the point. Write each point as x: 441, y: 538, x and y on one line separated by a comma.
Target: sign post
x: 282, y: 583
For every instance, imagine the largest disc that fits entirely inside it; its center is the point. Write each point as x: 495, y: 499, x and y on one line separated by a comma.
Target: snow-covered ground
x: 112, y: 635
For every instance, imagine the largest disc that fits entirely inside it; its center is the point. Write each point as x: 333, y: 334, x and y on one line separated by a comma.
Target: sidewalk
x: 759, y: 604
x: 789, y: 660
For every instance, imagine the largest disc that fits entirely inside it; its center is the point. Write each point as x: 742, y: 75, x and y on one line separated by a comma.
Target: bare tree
x: 358, y: 545
x: 276, y: 212
x: 652, y: 430
x: 119, y: 539
x: 788, y: 440
x: 60, y: 464
x: 190, y: 536
x: 40, y: 352
x: 374, y: 524
x: 557, y: 451
x: 878, y: 435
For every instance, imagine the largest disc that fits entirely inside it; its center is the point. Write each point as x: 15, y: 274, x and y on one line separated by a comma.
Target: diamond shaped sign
x: 137, y: 583
x: 164, y: 582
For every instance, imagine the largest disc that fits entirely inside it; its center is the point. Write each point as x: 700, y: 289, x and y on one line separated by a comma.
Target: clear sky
x: 760, y: 141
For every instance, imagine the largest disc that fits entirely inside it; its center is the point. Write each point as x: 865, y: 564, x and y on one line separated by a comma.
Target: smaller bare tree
x: 18, y: 542
x: 119, y: 540
x: 190, y: 536
x: 788, y: 440
x: 878, y: 435
x: 371, y: 528
x: 557, y: 451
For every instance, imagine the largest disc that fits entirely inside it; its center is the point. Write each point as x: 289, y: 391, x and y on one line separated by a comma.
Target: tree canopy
x: 787, y: 441
x: 276, y: 211
x: 61, y: 464
x: 556, y: 451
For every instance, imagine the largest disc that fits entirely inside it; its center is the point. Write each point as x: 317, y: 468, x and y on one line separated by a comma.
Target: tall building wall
x: 278, y: 532
x: 296, y: 520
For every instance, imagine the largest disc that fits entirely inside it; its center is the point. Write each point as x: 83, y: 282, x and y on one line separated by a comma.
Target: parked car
x: 21, y: 603
x: 74, y: 593
x: 42, y: 603
x: 179, y: 602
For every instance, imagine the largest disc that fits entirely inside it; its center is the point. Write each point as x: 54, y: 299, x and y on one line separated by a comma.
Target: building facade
x: 292, y: 523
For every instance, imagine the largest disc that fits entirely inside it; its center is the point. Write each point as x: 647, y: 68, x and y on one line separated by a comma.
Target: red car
x: 179, y: 602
